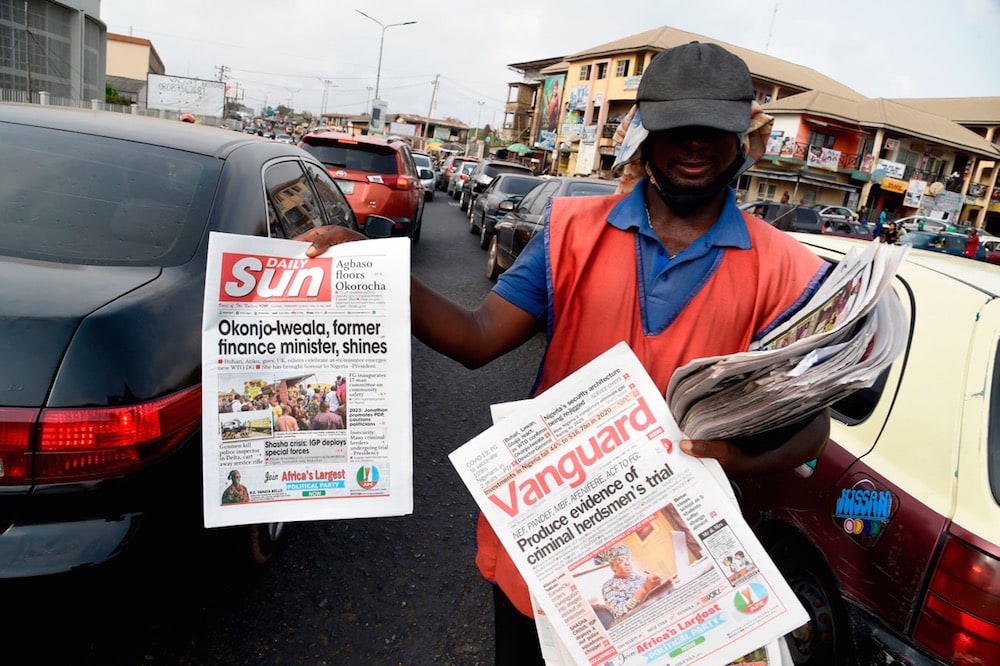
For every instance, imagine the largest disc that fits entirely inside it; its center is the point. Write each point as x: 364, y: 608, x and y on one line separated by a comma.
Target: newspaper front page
x: 588, y: 475
x: 306, y: 381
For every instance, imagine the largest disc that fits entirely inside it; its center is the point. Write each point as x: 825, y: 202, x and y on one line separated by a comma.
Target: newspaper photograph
x: 633, y: 550
x: 306, y: 410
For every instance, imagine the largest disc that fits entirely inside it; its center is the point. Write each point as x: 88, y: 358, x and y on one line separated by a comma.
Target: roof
x: 888, y: 114
x: 762, y: 66
x: 964, y: 110
x: 413, y: 118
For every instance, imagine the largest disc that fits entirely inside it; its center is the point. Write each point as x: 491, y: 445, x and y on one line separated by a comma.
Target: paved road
x: 361, y: 592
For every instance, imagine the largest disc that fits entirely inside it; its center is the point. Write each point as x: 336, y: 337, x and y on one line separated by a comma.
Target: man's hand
x: 651, y: 583
x: 322, y: 238
x: 733, y: 460
x: 805, y: 443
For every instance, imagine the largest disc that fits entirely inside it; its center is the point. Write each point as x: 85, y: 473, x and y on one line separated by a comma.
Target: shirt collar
x: 728, y: 231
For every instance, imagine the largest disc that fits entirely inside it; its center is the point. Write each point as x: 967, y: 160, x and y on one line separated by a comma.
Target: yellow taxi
x: 891, y: 538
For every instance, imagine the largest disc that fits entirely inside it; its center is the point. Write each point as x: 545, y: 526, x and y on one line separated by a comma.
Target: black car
x: 104, y: 222
x: 524, y: 219
x: 804, y: 218
x: 485, y: 209
x: 483, y: 174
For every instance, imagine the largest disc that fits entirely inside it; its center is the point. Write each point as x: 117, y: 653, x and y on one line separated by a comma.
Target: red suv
x: 378, y: 177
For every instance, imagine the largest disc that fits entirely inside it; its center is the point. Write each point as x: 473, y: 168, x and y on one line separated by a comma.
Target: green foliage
x: 112, y: 96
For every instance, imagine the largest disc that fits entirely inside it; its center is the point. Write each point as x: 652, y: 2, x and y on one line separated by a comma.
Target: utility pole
x: 223, y: 74
x: 479, y: 115
x: 326, y: 92
x: 27, y: 50
x: 430, y: 111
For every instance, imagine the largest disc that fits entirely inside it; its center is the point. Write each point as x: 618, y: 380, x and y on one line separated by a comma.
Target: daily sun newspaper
x: 328, y: 337
x: 590, y: 471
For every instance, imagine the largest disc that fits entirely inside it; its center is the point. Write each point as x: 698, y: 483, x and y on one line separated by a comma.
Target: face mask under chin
x: 685, y: 201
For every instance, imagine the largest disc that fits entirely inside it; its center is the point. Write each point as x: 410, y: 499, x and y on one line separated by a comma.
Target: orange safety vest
x: 595, y: 296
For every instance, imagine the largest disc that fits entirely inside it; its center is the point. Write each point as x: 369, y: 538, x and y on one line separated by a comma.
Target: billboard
x: 185, y: 95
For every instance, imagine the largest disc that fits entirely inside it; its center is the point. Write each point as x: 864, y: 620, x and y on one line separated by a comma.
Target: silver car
x: 424, y: 161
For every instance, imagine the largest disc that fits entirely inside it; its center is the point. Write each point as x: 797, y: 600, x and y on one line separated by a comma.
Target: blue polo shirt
x: 667, y: 283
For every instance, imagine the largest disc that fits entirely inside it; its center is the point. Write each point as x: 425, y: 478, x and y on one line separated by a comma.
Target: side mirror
x: 377, y: 226
x: 507, y: 205
x: 424, y: 173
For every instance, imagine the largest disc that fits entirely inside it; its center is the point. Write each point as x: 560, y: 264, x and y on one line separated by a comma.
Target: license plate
x: 346, y: 186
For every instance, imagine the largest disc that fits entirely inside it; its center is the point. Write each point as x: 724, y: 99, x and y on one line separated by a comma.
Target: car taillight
x: 16, y: 426
x: 960, y: 619
x: 80, y: 444
x: 403, y: 182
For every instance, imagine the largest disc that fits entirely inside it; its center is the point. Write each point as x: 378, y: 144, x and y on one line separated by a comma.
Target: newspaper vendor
x: 669, y: 264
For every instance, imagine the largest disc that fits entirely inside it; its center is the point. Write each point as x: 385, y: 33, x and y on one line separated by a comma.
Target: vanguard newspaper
x: 588, y: 475
x: 306, y: 404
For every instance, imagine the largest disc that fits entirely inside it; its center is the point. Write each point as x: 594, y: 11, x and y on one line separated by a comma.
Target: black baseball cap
x: 696, y: 84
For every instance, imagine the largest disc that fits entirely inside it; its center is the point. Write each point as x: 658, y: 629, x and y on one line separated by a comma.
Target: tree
x: 112, y: 96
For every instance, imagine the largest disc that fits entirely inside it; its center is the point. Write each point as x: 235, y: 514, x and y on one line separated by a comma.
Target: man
x: 785, y: 217
x: 626, y: 589
x: 327, y: 420
x: 879, y: 224
x: 286, y: 422
x: 701, y: 279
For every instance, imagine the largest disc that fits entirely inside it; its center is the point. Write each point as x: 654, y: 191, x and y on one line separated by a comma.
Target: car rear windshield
x: 494, y: 169
x: 517, y: 185
x: 589, y: 189
x: 355, y: 156
x: 83, y: 199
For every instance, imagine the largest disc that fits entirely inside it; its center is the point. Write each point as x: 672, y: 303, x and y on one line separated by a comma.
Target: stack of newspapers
x: 838, y: 342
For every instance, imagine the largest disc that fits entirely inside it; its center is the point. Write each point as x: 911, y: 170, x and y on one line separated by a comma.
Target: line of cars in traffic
x: 925, y: 233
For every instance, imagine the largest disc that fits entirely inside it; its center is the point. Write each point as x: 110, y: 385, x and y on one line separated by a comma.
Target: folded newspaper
x: 840, y: 341
x: 587, y: 476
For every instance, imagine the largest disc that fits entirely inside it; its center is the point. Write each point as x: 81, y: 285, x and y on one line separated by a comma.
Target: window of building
x: 766, y: 191
x: 640, y: 65
x: 585, y: 72
x: 821, y: 140
x: 621, y: 68
x: 602, y: 70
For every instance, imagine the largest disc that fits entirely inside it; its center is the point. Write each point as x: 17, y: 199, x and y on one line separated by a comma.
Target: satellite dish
x: 936, y: 188
x: 878, y: 175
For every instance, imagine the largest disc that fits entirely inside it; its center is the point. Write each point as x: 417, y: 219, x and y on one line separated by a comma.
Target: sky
x: 304, y: 53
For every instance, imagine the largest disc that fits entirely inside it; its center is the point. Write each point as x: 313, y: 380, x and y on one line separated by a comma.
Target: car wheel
x: 823, y: 640
x: 463, y: 201
x: 484, y: 234
x: 492, y: 267
x: 472, y: 224
x: 430, y: 194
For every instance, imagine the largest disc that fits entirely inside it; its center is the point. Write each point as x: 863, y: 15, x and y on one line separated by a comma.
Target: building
x: 57, y: 49
x: 129, y: 60
x: 830, y: 144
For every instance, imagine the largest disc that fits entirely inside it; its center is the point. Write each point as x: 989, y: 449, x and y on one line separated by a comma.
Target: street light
x: 378, y: 73
x: 468, y: 142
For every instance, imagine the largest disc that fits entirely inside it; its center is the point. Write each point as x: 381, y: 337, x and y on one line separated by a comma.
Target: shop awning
x: 804, y: 179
